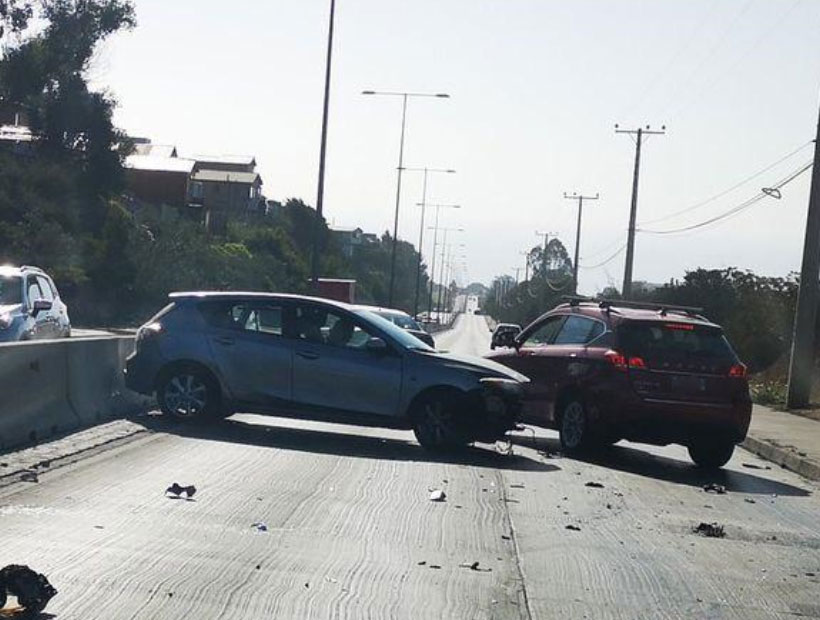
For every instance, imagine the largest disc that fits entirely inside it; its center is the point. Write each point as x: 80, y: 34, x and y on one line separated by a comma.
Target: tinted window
x: 11, y: 289
x: 544, y: 333
x: 658, y: 342
x: 254, y: 316
x: 315, y: 324
x: 578, y: 330
x: 405, y: 339
x: 402, y: 320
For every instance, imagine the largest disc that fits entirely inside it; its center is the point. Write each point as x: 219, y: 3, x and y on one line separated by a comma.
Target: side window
x: 315, y: 324
x: 544, y: 333
x: 578, y: 330
x: 45, y: 289
x: 264, y: 317
x: 34, y: 292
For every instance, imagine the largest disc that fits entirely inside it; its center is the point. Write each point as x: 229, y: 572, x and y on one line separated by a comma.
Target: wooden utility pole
x: 544, y: 261
x: 801, y: 364
x: 580, y: 199
x: 641, y: 133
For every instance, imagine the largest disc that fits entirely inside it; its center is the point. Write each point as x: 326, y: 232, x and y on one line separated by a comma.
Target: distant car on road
x: 504, y: 335
x: 30, y: 306
x: 605, y: 371
x: 403, y: 320
x: 210, y: 354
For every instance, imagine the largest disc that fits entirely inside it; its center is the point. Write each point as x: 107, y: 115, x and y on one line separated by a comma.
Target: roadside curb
x: 786, y: 457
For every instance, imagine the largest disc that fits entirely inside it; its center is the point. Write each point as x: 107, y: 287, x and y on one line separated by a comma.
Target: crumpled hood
x: 476, y: 364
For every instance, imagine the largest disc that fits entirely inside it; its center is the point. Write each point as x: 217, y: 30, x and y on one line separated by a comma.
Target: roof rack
x: 661, y: 307
x: 574, y: 300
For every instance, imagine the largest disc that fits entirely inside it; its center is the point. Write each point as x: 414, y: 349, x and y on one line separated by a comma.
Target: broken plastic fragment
x: 260, y: 527
x: 438, y: 496
x: 32, y: 590
x: 713, y: 487
x: 710, y: 530
x: 178, y: 490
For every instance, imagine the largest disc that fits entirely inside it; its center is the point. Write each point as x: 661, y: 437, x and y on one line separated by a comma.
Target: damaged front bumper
x: 500, y: 401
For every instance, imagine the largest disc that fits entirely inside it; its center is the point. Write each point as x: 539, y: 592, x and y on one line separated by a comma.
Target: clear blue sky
x: 536, y: 87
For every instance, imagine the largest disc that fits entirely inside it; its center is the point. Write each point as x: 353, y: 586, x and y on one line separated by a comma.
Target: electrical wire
x: 608, y: 260
x: 734, y: 210
x: 703, y: 203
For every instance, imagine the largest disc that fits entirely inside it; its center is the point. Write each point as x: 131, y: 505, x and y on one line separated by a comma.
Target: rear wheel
x: 711, y: 454
x: 437, y: 422
x: 189, y: 393
x: 573, y: 432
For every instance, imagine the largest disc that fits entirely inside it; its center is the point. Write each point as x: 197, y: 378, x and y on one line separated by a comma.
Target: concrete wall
x: 50, y: 387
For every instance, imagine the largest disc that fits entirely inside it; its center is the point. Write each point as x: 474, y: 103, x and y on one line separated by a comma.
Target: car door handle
x: 308, y: 355
x: 225, y: 341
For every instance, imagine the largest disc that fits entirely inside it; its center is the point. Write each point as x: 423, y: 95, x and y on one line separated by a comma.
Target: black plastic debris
x: 475, y: 566
x: 574, y: 528
x: 710, y: 530
x: 260, y: 527
x: 29, y: 476
x: 32, y: 590
x: 714, y: 487
x: 517, y: 485
x: 756, y: 466
x: 594, y: 485
x: 749, y: 500
x: 505, y: 537
x: 176, y: 490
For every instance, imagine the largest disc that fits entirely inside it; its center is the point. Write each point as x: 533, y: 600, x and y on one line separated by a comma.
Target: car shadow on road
x: 341, y: 444
x: 632, y: 459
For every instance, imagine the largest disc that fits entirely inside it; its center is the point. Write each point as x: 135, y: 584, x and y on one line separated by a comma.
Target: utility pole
x: 526, y: 256
x: 580, y: 198
x: 802, y: 356
x: 320, y: 192
x: 640, y: 134
x: 517, y: 273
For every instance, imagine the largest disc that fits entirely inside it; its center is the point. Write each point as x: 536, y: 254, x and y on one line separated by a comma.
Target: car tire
x: 436, y: 422
x: 711, y: 454
x: 189, y: 393
x: 573, y: 432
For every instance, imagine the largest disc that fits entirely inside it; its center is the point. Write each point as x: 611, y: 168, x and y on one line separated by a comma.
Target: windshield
x: 404, y: 338
x: 401, y: 320
x: 10, y: 290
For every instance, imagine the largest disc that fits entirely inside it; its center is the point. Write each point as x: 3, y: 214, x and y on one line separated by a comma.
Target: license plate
x: 689, y: 384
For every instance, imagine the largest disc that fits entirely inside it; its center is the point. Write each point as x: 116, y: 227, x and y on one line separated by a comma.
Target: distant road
x: 349, y: 530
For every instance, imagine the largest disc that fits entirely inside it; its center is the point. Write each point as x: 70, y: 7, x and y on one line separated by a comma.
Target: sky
x: 536, y: 88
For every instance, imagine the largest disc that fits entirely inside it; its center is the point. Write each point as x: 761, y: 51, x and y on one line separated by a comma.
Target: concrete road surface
x: 350, y: 532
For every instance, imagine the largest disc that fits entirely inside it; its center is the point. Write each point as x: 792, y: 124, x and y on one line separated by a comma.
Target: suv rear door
x: 679, y: 361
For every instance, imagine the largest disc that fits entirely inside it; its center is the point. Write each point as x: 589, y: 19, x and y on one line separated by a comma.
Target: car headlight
x: 501, y: 384
x: 5, y: 321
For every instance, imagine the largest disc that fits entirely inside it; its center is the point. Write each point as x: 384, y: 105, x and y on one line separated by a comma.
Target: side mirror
x: 40, y: 305
x: 376, y: 345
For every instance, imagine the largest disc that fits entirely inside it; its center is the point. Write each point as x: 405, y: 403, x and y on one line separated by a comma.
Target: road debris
x: 714, y: 487
x: 176, y: 490
x: 505, y: 537
x: 32, y: 590
x: 438, y: 496
x: 475, y: 567
x: 710, y: 530
x: 422, y: 563
x: 517, y: 485
x: 260, y: 527
x: 436, y: 566
x: 29, y: 476
x: 594, y: 485
x: 574, y: 528
x: 749, y: 500
x: 756, y: 466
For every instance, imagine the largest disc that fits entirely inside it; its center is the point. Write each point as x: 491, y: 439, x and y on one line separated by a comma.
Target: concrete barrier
x: 51, y: 387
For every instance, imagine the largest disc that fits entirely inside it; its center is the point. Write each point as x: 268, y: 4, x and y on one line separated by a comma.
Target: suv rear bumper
x: 663, y: 422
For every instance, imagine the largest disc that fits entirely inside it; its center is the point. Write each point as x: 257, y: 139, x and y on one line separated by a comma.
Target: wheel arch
x: 433, y: 390
x: 180, y: 364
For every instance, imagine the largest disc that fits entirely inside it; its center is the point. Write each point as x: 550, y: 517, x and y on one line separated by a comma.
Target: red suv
x: 602, y: 371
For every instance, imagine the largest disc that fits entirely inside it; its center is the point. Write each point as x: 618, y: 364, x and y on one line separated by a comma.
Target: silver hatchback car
x: 208, y: 355
x: 30, y: 306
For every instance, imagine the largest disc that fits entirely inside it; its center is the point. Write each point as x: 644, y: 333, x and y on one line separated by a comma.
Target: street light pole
x: 320, y: 192
x: 404, y: 96
x: 443, y: 251
x: 435, y: 245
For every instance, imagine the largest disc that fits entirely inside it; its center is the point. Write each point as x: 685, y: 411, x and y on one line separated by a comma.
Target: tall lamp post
x: 438, y: 208
x: 443, y: 260
x: 320, y: 192
x: 423, y: 205
x: 404, y: 97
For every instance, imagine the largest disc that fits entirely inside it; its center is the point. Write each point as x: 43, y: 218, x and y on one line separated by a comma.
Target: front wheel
x: 188, y: 394
x: 573, y: 432
x: 436, y: 423
x: 711, y: 454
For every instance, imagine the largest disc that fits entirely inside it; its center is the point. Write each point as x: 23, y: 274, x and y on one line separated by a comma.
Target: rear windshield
x: 11, y: 290
x: 402, y: 320
x: 663, y: 344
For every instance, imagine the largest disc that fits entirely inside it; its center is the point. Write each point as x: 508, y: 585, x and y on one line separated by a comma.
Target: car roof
x: 379, y: 309
x: 11, y: 270
x: 187, y: 295
x: 613, y: 313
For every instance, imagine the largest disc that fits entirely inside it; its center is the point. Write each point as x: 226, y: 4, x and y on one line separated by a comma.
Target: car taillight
x: 738, y: 370
x: 621, y: 362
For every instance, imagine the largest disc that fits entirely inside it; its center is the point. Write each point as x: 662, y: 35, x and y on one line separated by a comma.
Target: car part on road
x: 594, y: 485
x: 573, y: 528
x: 32, y: 590
x: 714, y: 487
x: 438, y: 496
x: 710, y: 530
x: 177, y: 489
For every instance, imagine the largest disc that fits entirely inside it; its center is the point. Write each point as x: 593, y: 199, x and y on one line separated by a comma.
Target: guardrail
x: 48, y: 388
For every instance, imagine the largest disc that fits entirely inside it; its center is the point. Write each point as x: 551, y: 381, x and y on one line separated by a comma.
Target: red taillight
x: 738, y: 370
x: 637, y: 362
x: 621, y: 362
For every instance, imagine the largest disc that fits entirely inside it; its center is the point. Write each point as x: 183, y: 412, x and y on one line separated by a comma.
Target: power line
x: 729, y: 190
x: 734, y: 210
x: 607, y: 261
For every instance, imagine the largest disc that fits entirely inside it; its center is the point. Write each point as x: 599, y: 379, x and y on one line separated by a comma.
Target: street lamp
x: 435, y: 245
x: 423, y: 205
x: 404, y: 97
x: 441, y: 278
x: 320, y: 192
